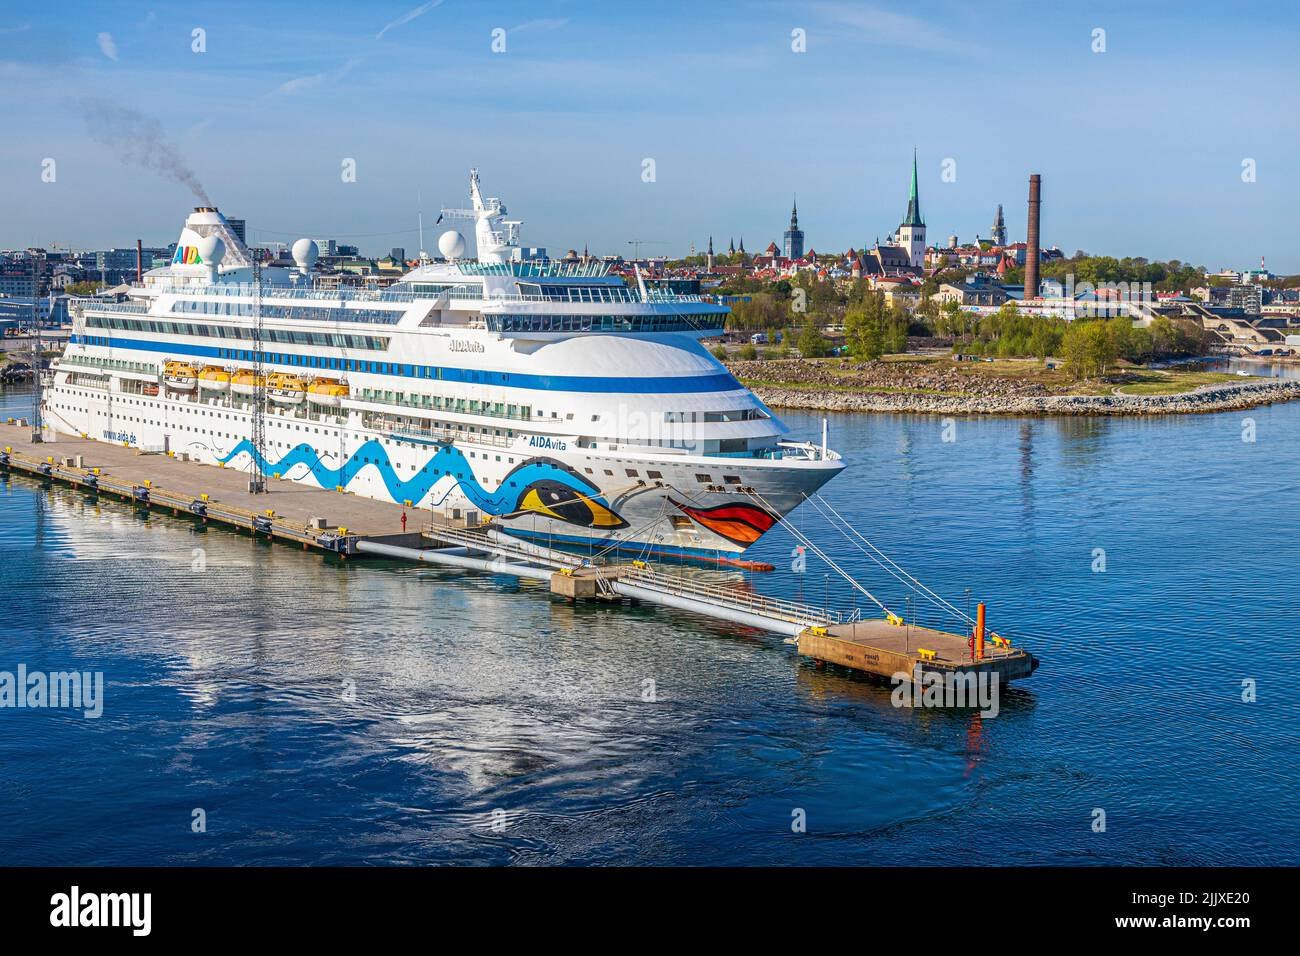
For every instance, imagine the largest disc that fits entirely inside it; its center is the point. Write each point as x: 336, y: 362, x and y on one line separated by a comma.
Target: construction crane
x: 38, y: 400
x: 636, y: 245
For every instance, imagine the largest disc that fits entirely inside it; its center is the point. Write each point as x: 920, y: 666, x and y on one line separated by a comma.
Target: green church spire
x: 914, y: 201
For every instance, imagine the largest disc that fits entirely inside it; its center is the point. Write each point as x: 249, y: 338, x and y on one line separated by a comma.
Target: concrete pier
x: 315, y: 517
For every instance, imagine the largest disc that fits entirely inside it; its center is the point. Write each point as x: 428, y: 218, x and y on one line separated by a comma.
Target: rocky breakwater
x: 876, y: 387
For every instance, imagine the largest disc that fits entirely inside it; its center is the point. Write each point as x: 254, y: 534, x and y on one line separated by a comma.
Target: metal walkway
x: 487, y: 549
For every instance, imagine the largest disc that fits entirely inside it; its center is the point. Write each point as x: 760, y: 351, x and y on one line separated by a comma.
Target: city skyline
x: 1142, y: 147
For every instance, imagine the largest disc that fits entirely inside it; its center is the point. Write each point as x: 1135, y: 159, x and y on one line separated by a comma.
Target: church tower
x: 794, y: 235
x: 999, y: 228
x: 911, y: 234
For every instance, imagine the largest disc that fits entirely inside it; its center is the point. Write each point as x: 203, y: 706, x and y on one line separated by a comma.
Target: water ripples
x: 322, y: 711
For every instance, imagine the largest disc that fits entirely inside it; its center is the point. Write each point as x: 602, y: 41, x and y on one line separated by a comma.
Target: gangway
x: 487, y: 548
x: 884, y: 648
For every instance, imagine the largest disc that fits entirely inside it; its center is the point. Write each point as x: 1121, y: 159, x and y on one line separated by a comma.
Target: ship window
x: 654, y: 474
x: 631, y: 473
x: 731, y: 479
x: 608, y: 472
x: 704, y: 479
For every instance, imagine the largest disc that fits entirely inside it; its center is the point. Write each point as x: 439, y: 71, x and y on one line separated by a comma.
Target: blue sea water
x: 372, y: 713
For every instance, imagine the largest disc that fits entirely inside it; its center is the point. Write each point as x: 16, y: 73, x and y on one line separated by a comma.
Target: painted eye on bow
x: 556, y: 500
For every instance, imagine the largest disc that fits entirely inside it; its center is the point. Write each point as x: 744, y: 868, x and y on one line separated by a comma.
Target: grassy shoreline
x: 940, y: 383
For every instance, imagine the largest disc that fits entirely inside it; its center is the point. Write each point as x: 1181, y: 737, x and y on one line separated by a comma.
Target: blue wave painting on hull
x: 445, y: 463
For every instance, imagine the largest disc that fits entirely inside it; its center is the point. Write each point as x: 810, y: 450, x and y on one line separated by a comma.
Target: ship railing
x: 245, y: 289
x: 615, y: 294
x: 273, y: 311
x: 399, y: 428
x: 522, y: 413
x: 801, y: 451
x: 108, y: 365
x: 543, y: 323
x: 124, y: 308
x: 533, y: 269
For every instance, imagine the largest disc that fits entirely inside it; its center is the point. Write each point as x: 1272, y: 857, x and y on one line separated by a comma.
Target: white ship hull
x: 667, y: 516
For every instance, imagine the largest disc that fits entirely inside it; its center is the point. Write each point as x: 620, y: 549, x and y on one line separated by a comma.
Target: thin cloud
x: 408, y: 16
x: 300, y: 83
x: 540, y: 26
x: 891, y: 29
x: 107, y: 46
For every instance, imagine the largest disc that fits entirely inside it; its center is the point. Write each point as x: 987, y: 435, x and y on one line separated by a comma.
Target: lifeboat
x: 215, y: 379
x: 327, y: 391
x: 180, y: 376
x: 285, y: 389
x: 244, y: 382
x: 150, y: 390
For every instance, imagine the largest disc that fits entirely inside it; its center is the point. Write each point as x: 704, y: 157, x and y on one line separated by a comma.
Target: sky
x: 1172, y: 134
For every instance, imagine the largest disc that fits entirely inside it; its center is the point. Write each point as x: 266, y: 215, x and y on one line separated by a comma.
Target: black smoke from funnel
x: 139, y: 139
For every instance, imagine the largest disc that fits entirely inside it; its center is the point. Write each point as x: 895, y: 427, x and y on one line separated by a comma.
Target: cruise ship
x: 552, y: 398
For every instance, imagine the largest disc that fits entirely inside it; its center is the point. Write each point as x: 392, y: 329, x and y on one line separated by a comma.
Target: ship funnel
x: 207, y: 222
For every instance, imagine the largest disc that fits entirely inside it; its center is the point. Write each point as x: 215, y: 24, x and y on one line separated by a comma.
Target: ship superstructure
x: 570, y: 407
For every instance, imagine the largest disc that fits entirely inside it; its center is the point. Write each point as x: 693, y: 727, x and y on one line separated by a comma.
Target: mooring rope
x: 807, y: 542
x: 888, y: 564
